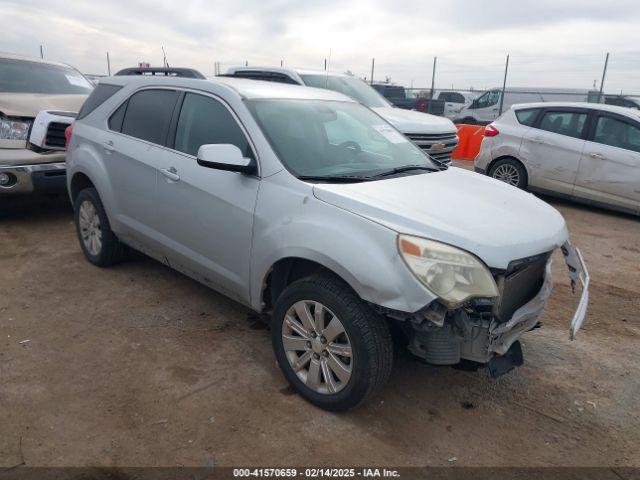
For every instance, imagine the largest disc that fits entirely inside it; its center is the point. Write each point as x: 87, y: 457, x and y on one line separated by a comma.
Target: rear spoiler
x: 162, y: 71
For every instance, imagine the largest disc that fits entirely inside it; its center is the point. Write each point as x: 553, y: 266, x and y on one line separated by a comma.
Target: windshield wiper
x: 334, y: 178
x: 406, y: 168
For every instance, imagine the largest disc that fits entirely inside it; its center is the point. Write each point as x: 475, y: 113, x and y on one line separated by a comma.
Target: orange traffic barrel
x: 469, y: 144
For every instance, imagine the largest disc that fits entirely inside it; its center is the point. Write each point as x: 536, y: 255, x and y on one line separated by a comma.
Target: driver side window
x: 488, y: 99
x: 203, y: 121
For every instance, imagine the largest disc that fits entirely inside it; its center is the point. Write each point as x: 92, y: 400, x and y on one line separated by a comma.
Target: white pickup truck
x: 38, y: 101
x: 435, y: 135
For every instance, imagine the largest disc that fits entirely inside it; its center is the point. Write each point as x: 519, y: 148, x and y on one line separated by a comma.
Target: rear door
x: 610, y: 166
x: 553, y: 147
x: 205, y: 215
x: 133, y: 148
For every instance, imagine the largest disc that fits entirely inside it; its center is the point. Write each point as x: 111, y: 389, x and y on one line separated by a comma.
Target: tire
x: 365, y: 336
x: 469, y: 121
x: 98, y: 243
x: 510, y: 171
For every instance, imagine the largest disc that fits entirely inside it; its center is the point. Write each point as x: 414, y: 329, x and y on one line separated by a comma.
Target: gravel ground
x: 139, y: 365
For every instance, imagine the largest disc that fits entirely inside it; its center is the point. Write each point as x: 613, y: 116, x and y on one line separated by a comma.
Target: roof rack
x: 162, y: 71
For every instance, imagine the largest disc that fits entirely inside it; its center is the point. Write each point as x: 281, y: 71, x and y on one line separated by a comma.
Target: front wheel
x: 331, y: 346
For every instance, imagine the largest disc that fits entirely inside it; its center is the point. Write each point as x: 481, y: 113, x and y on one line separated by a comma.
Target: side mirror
x: 224, y: 157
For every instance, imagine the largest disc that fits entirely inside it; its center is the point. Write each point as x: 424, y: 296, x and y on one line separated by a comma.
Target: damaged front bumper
x: 477, y: 334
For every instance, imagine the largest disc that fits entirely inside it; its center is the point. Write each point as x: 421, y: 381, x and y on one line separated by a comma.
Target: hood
x: 410, y: 121
x: 496, y: 222
x: 29, y: 104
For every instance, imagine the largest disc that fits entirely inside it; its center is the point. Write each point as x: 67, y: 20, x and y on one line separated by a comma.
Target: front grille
x: 55, y: 135
x: 447, y: 143
x: 519, y: 284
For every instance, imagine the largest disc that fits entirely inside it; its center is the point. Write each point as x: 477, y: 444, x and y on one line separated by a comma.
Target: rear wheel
x: 332, y: 348
x: 509, y: 171
x: 99, y: 244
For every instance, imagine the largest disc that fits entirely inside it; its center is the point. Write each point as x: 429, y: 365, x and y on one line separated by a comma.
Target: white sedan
x: 584, y: 151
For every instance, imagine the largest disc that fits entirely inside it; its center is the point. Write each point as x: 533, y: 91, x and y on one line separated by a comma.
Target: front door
x: 487, y: 106
x: 552, y: 149
x: 205, y: 216
x: 610, y: 166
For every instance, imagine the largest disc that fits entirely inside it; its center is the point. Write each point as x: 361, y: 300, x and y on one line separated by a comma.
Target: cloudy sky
x: 551, y: 42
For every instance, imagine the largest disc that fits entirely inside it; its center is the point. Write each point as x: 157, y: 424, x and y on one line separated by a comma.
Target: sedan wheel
x: 317, y: 347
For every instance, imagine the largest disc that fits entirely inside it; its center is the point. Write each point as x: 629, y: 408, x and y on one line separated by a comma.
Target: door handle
x: 108, y: 146
x: 535, y: 140
x: 599, y: 156
x: 171, y: 173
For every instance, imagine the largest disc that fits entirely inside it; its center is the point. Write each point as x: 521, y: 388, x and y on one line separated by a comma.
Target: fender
x: 362, y: 252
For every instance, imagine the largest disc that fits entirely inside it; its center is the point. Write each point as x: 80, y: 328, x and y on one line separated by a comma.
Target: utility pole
x: 164, y: 55
x: 325, y: 64
x: 41, y: 52
x: 504, y: 85
x: 108, y: 64
x: 433, y: 83
x: 604, y: 73
x: 373, y: 63
x: 281, y: 63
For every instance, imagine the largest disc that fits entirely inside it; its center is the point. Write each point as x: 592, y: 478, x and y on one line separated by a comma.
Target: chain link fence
x: 477, y: 89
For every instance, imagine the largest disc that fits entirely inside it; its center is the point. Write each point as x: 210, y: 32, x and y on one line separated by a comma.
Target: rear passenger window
x: 115, y: 121
x: 252, y: 75
x: 527, y: 117
x: 148, y: 115
x: 99, y: 95
x: 456, y: 97
x: 614, y: 132
x: 564, y: 123
x: 204, y: 121
x: 282, y: 78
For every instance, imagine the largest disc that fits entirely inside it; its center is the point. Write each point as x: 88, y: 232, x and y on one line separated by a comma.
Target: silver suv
x: 303, y: 204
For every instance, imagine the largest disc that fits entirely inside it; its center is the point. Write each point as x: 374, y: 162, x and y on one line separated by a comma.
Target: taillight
x: 422, y: 105
x: 490, y: 131
x: 67, y: 135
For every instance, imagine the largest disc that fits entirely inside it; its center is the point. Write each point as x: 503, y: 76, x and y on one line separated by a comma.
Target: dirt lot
x: 139, y: 365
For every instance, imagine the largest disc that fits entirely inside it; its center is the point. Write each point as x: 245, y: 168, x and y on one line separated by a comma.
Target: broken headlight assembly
x: 454, y: 275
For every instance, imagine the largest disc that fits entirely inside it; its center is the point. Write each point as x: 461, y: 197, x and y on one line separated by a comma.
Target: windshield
x: 19, y: 76
x: 332, y: 140
x: 350, y: 86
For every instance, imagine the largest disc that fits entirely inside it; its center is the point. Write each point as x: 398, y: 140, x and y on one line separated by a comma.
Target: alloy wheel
x: 317, y: 347
x: 508, y: 174
x: 89, y: 223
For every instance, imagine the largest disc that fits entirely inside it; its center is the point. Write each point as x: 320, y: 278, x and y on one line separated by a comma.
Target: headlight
x: 11, y: 129
x: 452, y: 274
